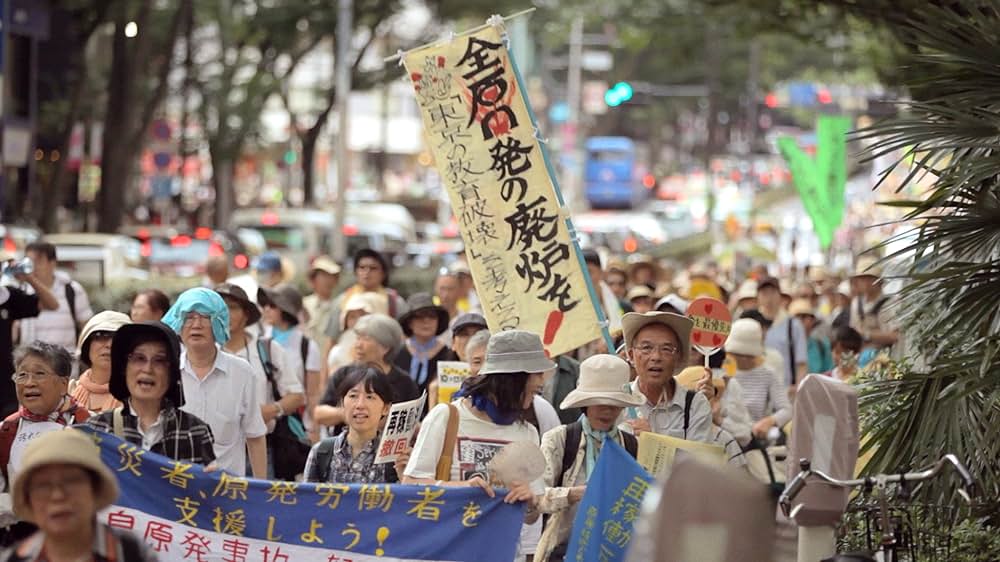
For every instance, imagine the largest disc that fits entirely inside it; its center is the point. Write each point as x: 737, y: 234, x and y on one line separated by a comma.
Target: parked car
x: 173, y: 252
x: 99, y: 259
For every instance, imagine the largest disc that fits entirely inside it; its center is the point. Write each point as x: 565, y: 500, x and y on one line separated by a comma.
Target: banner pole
x: 564, y: 211
x: 495, y: 20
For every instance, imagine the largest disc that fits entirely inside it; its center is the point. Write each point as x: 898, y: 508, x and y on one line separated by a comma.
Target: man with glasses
x: 219, y: 388
x: 657, y: 345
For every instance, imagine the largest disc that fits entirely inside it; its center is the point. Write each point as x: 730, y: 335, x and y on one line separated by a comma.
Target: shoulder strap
x: 574, y: 432
x: 391, y: 293
x: 71, y: 301
x: 264, y: 351
x: 631, y: 444
x: 791, y: 349
x: 879, y: 304
x: 304, y: 351
x: 443, y: 470
x: 8, y: 431
x: 118, y: 422
x: 688, y: 399
x: 321, y: 463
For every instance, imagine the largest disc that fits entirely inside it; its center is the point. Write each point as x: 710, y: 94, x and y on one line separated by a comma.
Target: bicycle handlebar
x: 800, y: 481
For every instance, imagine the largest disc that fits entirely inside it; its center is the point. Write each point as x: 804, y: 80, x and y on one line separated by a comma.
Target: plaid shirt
x: 185, y: 437
x: 110, y: 545
x: 346, y: 469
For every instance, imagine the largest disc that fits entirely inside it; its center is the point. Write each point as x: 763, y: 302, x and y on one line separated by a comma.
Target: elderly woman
x: 571, y: 451
x: 146, y: 378
x: 91, y: 389
x: 422, y: 325
x: 378, y: 340
x: 62, y: 487
x: 355, y: 307
x: 41, y: 375
x: 365, y: 395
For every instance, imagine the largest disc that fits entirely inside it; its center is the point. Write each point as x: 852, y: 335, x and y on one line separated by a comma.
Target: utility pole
x: 752, y: 81
x: 573, y: 99
x: 343, y: 85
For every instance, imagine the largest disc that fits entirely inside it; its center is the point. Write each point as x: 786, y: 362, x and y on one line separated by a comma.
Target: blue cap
x: 269, y: 261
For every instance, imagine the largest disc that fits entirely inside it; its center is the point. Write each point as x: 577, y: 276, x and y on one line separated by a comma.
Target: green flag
x: 821, y: 181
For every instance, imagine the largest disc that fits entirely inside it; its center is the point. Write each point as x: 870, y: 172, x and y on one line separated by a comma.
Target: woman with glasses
x: 41, y: 376
x: 91, y: 389
x: 146, y: 378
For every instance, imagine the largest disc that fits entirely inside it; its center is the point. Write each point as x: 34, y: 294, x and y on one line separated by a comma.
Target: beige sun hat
x: 867, y: 266
x: 325, y: 264
x: 602, y: 378
x: 106, y: 321
x: 801, y: 307
x: 68, y: 447
x: 681, y: 325
x: 746, y: 337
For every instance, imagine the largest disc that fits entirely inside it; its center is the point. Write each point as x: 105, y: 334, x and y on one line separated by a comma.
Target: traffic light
x: 618, y: 94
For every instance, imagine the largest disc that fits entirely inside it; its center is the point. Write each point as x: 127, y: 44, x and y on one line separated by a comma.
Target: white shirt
x: 226, y: 399
x: 285, y: 374
x: 152, y: 435
x: 667, y: 418
x: 56, y: 326
x: 293, y: 353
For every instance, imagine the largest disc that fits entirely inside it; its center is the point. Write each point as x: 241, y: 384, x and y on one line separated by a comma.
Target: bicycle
x: 888, y: 549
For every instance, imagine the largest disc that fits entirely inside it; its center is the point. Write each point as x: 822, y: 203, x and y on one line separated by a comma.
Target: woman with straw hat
x: 571, y: 450
x: 61, y: 487
x: 91, y: 389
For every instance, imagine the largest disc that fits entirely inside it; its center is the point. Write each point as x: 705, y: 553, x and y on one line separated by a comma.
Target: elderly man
x: 220, y: 388
x: 657, y: 345
x: 869, y: 311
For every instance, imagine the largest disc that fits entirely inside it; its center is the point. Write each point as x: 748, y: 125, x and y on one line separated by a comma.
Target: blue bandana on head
x: 203, y: 301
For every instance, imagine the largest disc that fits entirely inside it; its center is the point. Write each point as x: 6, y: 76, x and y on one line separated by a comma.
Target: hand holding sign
x: 712, y: 321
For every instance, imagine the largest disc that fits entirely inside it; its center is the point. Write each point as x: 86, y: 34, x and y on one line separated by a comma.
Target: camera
x: 23, y: 266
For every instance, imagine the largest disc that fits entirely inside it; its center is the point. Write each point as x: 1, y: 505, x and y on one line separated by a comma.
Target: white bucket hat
x: 746, y: 338
x: 515, y: 351
x: 602, y: 378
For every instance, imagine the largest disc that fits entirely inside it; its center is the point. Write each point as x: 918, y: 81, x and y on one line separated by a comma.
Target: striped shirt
x: 764, y: 394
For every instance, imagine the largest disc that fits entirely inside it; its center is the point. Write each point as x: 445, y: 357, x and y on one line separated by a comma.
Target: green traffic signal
x: 618, y: 94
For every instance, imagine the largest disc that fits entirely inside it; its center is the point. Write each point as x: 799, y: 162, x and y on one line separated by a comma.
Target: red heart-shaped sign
x: 708, y: 308
x: 716, y: 340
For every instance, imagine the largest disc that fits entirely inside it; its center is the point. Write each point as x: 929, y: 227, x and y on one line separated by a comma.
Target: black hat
x: 469, y: 319
x: 419, y: 302
x: 285, y: 297
x: 768, y: 282
x: 235, y: 292
x: 369, y: 253
x: 123, y: 344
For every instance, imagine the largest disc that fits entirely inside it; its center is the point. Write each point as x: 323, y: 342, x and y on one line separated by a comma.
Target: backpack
x: 319, y: 471
x: 289, y: 442
x: 574, y: 433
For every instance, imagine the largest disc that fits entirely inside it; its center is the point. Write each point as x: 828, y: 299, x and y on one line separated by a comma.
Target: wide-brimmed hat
x: 66, y: 447
x: 106, y: 321
x: 325, y: 264
x: 746, y: 337
x: 681, y: 325
x: 867, y: 266
x: 236, y: 293
x: 801, y: 307
x: 602, y: 378
x: 638, y: 292
x: 287, y: 298
x: 747, y: 290
x: 125, y: 341
x: 818, y: 274
x: 422, y: 302
x: 365, y: 301
x: 637, y: 261
x: 469, y: 319
x: 515, y: 351
x: 844, y: 288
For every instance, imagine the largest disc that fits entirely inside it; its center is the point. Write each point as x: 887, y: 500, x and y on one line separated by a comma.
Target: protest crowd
x: 248, y: 377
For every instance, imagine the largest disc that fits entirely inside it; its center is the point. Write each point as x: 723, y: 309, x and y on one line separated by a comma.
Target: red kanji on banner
x: 236, y: 549
x: 161, y: 535
x: 197, y: 546
x: 121, y: 520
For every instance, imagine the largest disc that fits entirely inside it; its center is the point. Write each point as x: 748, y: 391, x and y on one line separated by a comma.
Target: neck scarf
x: 67, y: 405
x: 94, y: 396
x: 596, y: 439
x: 281, y: 336
x: 420, y: 359
x: 484, y: 404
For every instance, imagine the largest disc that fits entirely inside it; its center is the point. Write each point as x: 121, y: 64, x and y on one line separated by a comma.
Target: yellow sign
x: 451, y: 375
x: 526, y: 268
x: 658, y: 452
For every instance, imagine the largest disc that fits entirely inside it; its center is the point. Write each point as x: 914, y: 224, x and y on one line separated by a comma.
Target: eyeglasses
x: 40, y: 376
x: 67, y: 486
x: 102, y: 335
x: 192, y: 317
x: 141, y: 359
x: 665, y: 350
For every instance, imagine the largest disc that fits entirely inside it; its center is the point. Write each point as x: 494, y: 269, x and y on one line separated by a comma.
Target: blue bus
x: 610, y: 178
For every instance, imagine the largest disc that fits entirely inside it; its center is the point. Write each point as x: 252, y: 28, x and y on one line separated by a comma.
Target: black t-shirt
x: 17, y: 306
x: 404, y: 358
